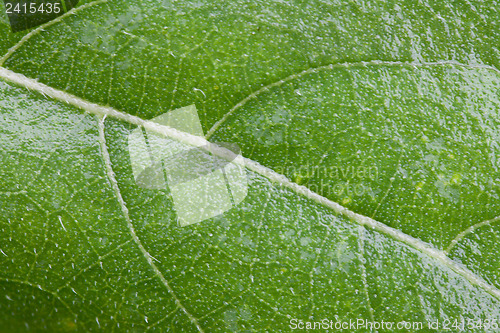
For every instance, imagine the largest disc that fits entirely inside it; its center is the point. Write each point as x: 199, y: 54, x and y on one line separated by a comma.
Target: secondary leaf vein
x: 273, y: 176
x: 145, y: 253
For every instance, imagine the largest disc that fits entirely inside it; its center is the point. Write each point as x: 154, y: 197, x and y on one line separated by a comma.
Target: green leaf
x: 400, y: 98
x: 412, y: 145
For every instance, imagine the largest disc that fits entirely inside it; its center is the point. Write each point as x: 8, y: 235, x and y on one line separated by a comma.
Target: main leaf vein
x: 273, y: 176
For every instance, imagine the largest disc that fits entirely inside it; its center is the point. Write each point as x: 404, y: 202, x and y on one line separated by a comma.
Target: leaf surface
x: 308, y: 91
